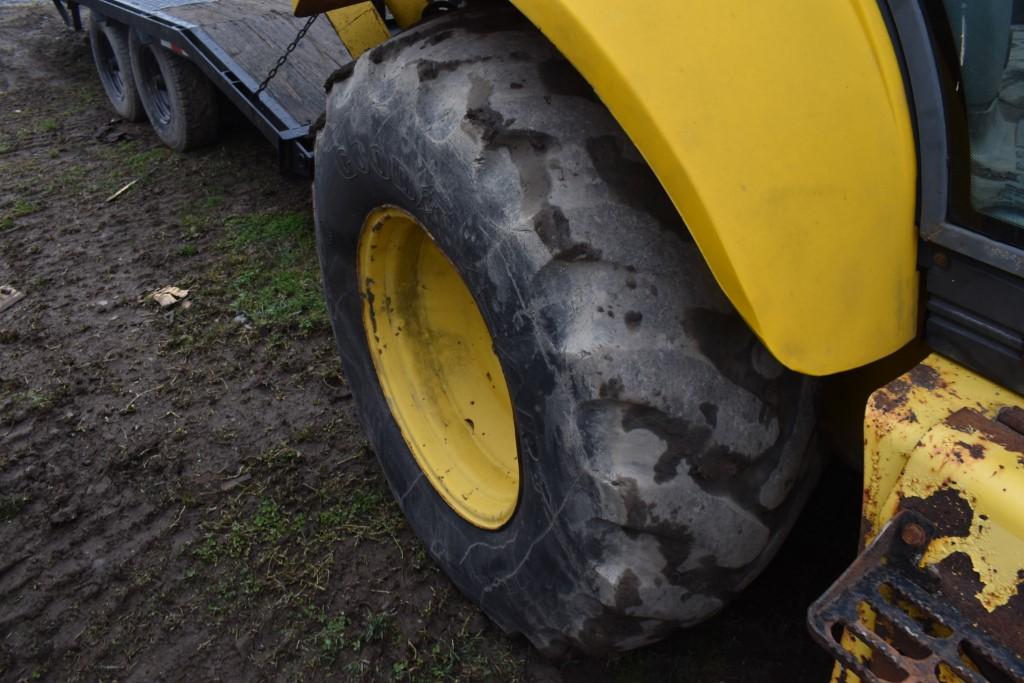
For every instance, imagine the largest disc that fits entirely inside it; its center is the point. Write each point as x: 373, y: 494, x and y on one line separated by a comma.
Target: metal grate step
x: 911, y: 631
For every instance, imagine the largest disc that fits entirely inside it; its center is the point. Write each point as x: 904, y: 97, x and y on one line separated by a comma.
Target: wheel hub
x: 435, y: 360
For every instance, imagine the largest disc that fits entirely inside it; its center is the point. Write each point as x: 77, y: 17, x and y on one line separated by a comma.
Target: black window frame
x: 972, y: 265
x: 945, y: 214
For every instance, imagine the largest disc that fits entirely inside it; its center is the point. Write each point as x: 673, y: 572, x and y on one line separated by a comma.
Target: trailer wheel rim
x: 156, y: 86
x: 434, y: 357
x: 110, y: 65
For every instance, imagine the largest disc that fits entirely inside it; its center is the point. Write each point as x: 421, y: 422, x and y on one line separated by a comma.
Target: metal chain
x: 284, y: 58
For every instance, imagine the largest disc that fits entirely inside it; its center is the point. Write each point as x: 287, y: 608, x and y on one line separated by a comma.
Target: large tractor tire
x: 573, y: 418
x: 179, y: 100
x: 109, y: 43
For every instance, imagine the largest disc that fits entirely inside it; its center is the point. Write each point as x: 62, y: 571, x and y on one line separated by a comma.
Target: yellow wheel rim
x: 435, y: 361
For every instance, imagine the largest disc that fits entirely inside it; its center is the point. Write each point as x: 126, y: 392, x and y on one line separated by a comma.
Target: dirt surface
x: 185, y: 493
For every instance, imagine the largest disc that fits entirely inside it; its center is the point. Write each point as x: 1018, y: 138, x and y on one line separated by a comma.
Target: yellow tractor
x: 584, y: 260
x: 588, y: 262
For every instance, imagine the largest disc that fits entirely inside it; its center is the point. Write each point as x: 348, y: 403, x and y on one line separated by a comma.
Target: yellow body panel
x: 781, y: 131
x: 359, y: 27
x: 435, y: 360
x: 406, y: 12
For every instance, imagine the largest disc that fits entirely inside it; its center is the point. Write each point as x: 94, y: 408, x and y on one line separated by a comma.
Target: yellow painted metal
x: 856, y: 646
x: 781, y: 131
x: 929, y: 432
x: 436, y: 364
x: 358, y: 23
x: 995, y: 543
x: 359, y: 27
x: 900, y: 415
x: 406, y: 12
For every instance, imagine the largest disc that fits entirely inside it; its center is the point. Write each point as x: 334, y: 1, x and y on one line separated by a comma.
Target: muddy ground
x: 185, y: 494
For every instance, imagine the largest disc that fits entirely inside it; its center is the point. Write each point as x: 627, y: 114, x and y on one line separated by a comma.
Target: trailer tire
x: 109, y: 43
x: 663, y: 452
x: 179, y: 100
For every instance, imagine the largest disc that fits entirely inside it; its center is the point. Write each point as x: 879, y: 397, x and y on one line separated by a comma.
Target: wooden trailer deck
x: 254, y: 33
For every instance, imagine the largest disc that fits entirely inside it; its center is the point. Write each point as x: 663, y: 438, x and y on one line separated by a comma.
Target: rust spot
x: 892, y: 396
x: 927, y: 377
x: 970, y: 422
x: 1012, y: 417
x: 959, y: 584
x: 867, y: 528
x: 946, y: 509
x: 976, y: 450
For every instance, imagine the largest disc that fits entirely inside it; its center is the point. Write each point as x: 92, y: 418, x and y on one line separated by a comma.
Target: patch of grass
x: 137, y: 163
x: 271, y: 228
x: 19, y: 208
x: 47, y: 125
x: 356, y: 512
x: 286, y: 296
x: 268, y: 525
x: 75, y: 178
x: 466, y: 656
x: 195, y: 225
x: 23, y: 207
x: 332, y: 638
x: 277, y: 282
x: 24, y: 402
x: 377, y: 628
x: 187, y: 250
x: 282, y: 547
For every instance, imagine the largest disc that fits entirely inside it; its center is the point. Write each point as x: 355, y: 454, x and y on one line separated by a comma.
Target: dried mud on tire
x: 185, y: 493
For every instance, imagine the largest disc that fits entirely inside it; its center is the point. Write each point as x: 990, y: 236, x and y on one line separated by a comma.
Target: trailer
x: 267, y: 63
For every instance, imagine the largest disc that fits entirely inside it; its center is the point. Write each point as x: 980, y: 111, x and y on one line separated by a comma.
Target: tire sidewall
x: 173, y: 132
x: 125, y: 103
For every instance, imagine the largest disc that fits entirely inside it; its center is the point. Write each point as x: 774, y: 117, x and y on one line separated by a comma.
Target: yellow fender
x: 782, y: 133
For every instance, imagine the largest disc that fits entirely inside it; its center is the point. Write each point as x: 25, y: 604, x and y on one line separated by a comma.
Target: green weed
x: 332, y: 638
x: 19, y: 208
x: 47, y: 125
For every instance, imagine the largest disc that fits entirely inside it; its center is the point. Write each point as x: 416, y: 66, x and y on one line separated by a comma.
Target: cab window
x: 989, y: 44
